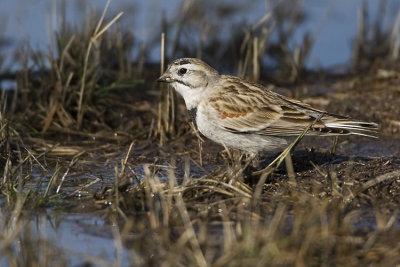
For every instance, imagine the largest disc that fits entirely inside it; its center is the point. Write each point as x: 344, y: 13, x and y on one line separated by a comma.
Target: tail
x: 344, y: 126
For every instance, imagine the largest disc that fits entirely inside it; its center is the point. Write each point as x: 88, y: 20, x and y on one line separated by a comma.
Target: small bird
x: 248, y: 116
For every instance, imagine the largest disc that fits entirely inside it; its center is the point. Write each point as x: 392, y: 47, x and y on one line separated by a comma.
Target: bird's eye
x: 182, y: 71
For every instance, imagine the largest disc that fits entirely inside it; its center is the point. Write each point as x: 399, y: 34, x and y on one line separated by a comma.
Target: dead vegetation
x: 88, y: 130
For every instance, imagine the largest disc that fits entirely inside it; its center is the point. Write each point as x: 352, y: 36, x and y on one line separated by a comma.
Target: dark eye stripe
x: 184, y: 62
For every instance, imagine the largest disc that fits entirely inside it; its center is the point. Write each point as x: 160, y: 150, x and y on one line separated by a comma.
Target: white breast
x: 207, y: 123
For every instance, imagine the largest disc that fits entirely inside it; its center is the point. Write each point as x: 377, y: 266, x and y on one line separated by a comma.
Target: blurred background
x: 324, y: 31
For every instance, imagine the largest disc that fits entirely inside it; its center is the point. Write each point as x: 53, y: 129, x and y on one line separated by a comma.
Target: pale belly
x: 250, y: 143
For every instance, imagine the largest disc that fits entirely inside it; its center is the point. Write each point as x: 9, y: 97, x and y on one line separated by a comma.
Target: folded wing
x: 246, y: 107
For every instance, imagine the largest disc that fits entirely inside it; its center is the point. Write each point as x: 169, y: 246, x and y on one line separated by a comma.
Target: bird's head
x: 192, y: 78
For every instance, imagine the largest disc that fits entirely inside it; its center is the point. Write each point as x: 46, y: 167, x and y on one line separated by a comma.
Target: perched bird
x: 248, y: 116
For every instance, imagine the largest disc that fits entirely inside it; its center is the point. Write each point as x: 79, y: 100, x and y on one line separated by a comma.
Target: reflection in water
x: 59, y: 238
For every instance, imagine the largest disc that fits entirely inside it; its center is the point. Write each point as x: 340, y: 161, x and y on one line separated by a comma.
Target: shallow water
x: 81, y: 233
x: 77, y: 238
x: 333, y: 22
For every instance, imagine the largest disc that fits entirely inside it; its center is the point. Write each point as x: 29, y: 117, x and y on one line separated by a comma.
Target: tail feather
x: 369, y: 129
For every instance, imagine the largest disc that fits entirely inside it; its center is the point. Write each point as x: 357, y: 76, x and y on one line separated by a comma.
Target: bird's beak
x: 165, y: 78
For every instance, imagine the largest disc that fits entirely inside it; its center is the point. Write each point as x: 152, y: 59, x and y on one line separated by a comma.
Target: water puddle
x: 78, y: 238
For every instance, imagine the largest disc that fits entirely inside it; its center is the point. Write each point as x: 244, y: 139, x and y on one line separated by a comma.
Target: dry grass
x: 88, y: 120
x: 375, y: 42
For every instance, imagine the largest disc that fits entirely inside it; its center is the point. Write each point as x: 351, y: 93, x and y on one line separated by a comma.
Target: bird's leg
x: 335, y: 142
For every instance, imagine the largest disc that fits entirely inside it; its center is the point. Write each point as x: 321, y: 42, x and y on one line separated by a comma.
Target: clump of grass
x: 375, y: 42
x: 61, y: 87
x: 93, y: 39
x: 247, y: 47
x: 205, y: 221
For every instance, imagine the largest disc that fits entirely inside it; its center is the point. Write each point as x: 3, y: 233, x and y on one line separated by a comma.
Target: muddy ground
x: 93, y: 174
x: 359, y: 163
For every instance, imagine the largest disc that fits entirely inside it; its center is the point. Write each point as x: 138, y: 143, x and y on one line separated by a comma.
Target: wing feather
x: 246, y: 107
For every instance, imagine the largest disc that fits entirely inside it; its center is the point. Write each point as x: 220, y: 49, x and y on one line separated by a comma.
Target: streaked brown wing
x: 247, y: 107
